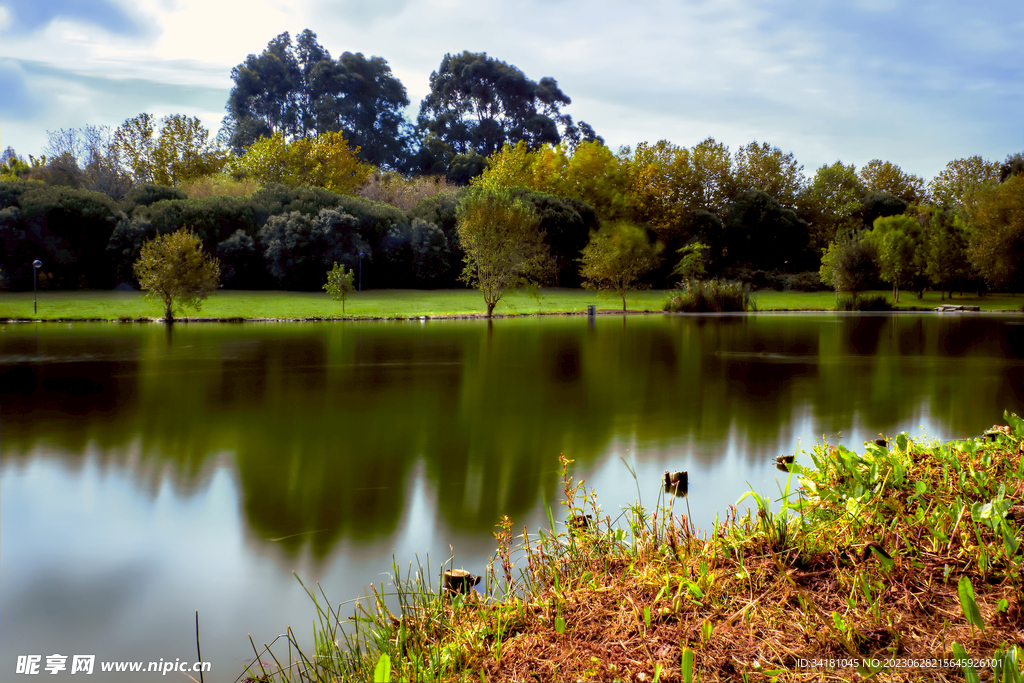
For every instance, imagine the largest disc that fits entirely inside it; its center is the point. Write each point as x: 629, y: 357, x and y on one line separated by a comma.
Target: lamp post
x: 361, y: 255
x: 36, y: 265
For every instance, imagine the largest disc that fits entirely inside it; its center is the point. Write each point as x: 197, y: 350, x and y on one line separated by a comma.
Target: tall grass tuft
x: 709, y: 296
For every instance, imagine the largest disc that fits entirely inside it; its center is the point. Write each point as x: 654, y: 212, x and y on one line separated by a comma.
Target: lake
x: 146, y: 474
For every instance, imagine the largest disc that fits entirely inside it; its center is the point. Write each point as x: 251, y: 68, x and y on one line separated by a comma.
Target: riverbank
x: 900, y: 562
x: 238, y: 306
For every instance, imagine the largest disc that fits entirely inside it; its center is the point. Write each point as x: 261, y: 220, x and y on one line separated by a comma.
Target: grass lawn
x: 395, y: 303
x: 770, y: 300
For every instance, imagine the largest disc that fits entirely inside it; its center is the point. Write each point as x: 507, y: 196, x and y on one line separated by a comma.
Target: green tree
x: 946, y: 247
x: 184, y: 151
x: 297, y: 90
x: 955, y: 186
x: 848, y: 264
x: 833, y: 199
x: 339, y: 284
x: 766, y: 168
x: 617, y: 256
x: 691, y: 263
x: 324, y: 161
x: 135, y: 140
x: 885, y: 176
x: 478, y: 102
x: 997, y: 231
x: 504, y: 249
x: 896, y: 240
x: 174, y: 270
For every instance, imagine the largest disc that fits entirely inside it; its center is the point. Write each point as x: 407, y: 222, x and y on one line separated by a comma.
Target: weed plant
x: 899, y: 563
x: 709, y: 296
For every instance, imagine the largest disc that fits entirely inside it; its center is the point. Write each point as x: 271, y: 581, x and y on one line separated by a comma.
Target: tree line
x: 315, y: 164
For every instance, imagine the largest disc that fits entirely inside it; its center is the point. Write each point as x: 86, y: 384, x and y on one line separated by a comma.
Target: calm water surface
x: 145, y: 474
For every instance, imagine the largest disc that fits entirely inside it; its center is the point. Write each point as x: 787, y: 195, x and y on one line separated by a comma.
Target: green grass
x: 401, y: 303
x: 380, y: 303
x: 770, y: 300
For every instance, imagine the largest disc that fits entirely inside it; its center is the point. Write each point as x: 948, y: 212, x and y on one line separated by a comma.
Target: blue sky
x: 915, y: 83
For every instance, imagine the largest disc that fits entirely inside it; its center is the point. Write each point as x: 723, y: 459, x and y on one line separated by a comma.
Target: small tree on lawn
x: 504, y: 247
x: 617, y: 256
x: 339, y: 284
x: 174, y: 270
x: 691, y: 263
x: 848, y: 265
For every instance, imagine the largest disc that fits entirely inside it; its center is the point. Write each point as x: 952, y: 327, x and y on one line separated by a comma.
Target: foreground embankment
x: 902, y: 562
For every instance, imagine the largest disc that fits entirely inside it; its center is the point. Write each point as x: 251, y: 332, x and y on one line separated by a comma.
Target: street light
x: 36, y: 265
x: 361, y: 255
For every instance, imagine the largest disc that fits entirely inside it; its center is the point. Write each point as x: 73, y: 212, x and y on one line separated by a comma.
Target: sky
x: 915, y: 83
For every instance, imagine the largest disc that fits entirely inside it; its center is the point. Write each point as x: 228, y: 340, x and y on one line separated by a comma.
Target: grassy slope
x: 390, y: 303
x: 867, y: 564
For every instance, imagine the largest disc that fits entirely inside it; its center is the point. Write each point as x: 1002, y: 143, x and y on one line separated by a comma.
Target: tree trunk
x: 490, y: 308
x: 168, y: 314
x: 623, y: 293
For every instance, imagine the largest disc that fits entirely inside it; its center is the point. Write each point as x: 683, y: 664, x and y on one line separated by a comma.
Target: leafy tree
x: 955, y: 185
x: 477, y: 102
x: 339, y: 284
x: 174, y: 270
x: 588, y: 172
x: 324, y: 161
x: 135, y: 140
x: 885, y: 176
x: 691, y: 262
x: 82, y: 158
x: 184, y: 151
x: 181, y: 152
x: 707, y: 228
x: 712, y: 167
x: 262, y: 100
x: 298, y: 246
x: 997, y: 231
x: 503, y: 247
x: 766, y: 168
x: 661, y: 186
x: 241, y: 263
x: 429, y: 251
x: 762, y: 232
x: 1014, y: 165
x: 848, y: 264
x: 69, y: 230
x: 879, y: 205
x: 946, y: 249
x: 617, y: 256
x: 833, y: 198
x: 299, y: 91
x: 896, y: 240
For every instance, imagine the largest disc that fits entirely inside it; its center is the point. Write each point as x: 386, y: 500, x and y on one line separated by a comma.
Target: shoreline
x: 496, y: 316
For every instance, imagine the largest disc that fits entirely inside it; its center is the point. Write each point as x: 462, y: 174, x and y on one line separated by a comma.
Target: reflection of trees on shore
x: 327, y: 422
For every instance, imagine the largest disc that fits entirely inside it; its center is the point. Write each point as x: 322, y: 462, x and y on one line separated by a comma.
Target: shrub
x: 865, y: 303
x: 709, y: 296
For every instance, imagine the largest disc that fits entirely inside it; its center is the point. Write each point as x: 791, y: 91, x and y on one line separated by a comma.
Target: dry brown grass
x: 862, y: 563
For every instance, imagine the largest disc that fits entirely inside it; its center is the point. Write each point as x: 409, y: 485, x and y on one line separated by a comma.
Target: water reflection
x: 326, y: 423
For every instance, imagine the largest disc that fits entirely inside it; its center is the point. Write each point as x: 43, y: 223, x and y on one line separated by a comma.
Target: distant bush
x: 865, y: 303
x: 709, y: 296
x: 808, y: 281
x: 220, y: 184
